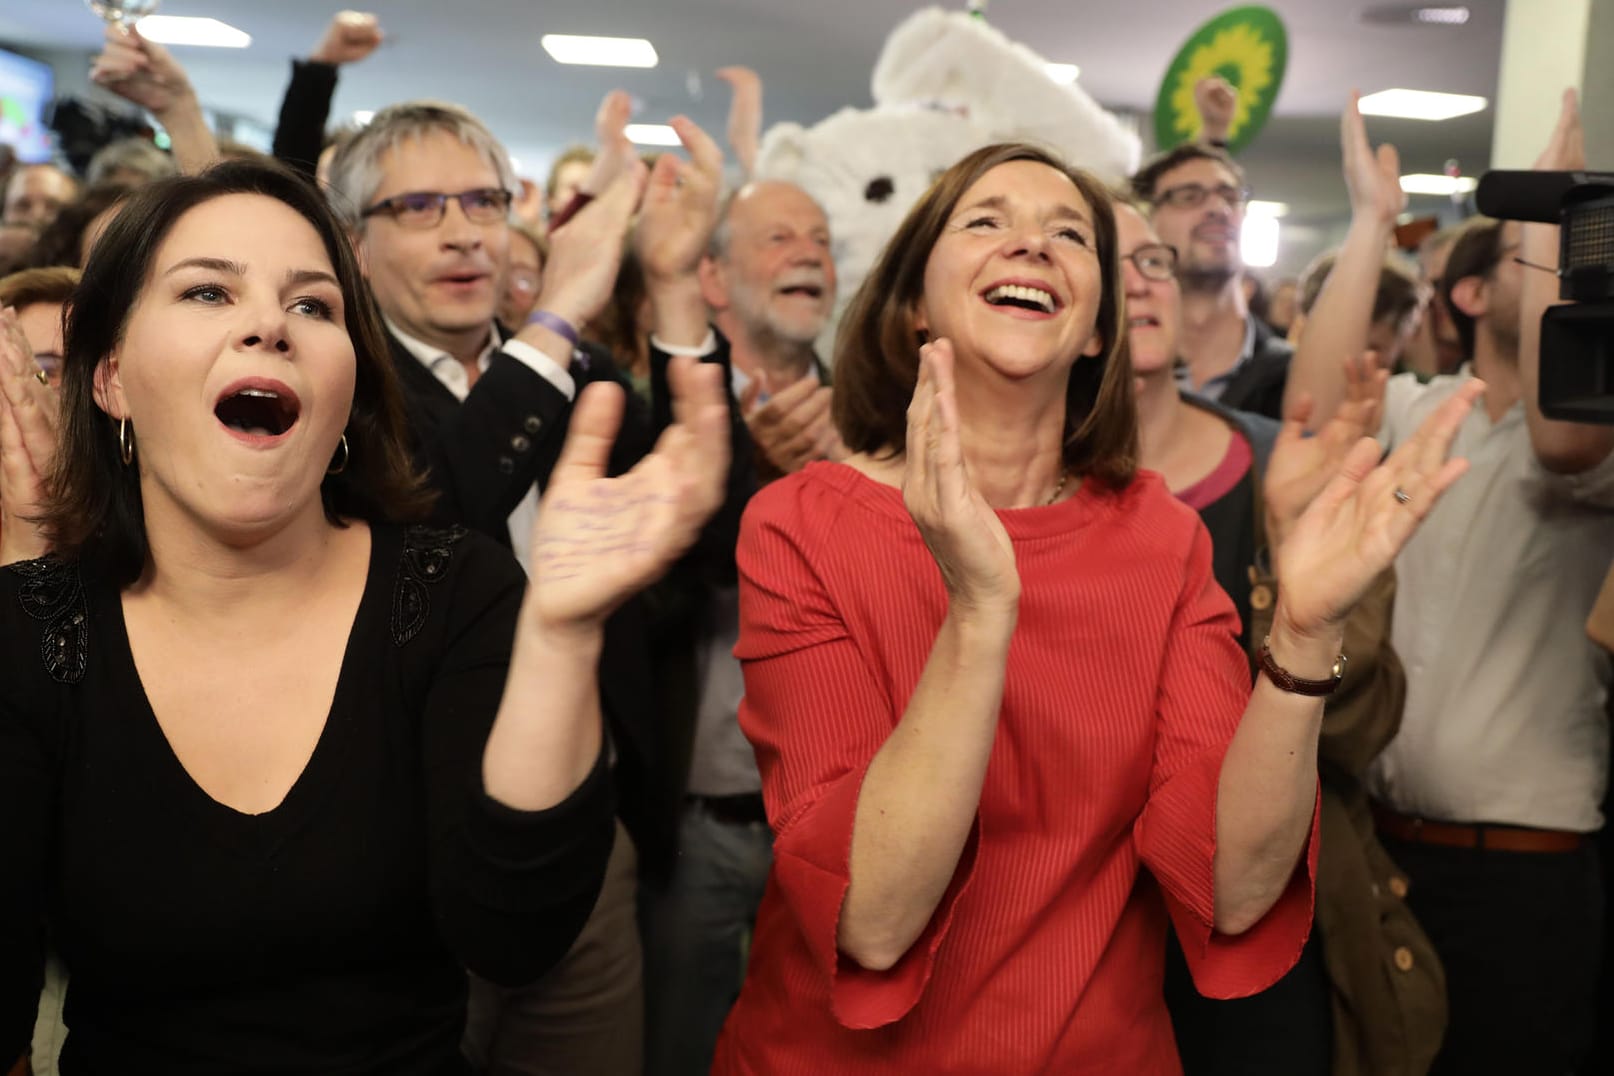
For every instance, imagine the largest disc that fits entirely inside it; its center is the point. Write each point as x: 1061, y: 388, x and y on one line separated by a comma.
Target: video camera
x: 1577, y: 340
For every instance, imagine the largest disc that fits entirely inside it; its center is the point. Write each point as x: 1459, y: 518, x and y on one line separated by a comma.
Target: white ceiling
x: 816, y: 56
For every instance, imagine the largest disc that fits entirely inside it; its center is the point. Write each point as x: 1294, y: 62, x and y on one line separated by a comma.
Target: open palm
x: 598, y: 540
x: 1355, y: 528
x: 28, y: 414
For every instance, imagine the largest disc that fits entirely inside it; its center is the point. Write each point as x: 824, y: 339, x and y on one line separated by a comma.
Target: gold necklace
x: 1058, y: 489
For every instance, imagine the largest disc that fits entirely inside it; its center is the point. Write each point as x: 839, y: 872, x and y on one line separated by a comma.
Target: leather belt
x: 742, y: 810
x: 1486, y: 837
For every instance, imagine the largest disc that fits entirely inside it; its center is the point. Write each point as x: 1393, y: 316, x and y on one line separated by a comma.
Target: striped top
x: 1096, y: 821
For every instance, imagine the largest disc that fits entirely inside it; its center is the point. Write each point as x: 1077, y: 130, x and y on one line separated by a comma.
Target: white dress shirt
x: 451, y: 373
x: 1504, y: 717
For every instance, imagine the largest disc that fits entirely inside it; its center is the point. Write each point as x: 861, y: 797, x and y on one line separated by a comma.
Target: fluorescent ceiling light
x: 651, y: 134
x: 1442, y: 16
x: 363, y: 116
x: 185, y: 30
x: 1258, y: 208
x: 1064, y: 74
x: 1420, y: 104
x: 600, y: 51
x: 1258, y: 241
x: 1427, y: 183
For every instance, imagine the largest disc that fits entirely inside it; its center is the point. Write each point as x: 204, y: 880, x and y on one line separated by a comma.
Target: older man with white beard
x: 768, y: 281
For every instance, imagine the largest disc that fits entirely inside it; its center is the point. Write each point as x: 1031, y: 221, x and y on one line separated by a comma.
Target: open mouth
x: 258, y: 412
x: 462, y: 280
x: 1143, y: 321
x: 1022, y: 297
x: 803, y: 291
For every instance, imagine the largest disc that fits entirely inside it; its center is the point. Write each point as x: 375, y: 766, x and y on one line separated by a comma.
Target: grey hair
x: 717, y: 245
x: 356, y: 168
x: 134, y: 154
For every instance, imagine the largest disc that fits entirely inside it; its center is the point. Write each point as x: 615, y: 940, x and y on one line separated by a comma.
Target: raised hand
x: 1217, y: 100
x: 1363, y: 518
x: 963, y: 534
x: 615, y: 154
x: 745, y: 114
x: 1301, y: 466
x: 1372, y: 177
x: 599, y: 540
x: 140, y: 71
x: 1566, y: 148
x: 586, y: 252
x: 27, y: 444
x: 680, y: 206
x: 350, y: 37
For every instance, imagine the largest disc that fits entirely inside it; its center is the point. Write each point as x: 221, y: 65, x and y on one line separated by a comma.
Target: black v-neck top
x: 326, y: 935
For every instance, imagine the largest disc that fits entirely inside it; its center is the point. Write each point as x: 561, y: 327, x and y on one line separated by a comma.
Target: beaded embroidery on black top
x: 53, y: 592
x: 426, y: 553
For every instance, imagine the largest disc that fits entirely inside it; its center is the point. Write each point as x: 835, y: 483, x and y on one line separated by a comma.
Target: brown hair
x: 1475, y: 252
x: 29, y: 286
x: 62, y: 240
x: 1398, y: 293
x: 877, y: 348
x: 94, y: 509
x: 1143, y: 183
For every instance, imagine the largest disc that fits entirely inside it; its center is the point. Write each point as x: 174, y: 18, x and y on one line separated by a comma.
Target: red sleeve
x: 817, y: 714
x: 1204, y: 688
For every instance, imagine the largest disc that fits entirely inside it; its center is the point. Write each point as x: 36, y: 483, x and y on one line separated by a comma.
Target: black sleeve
x: 484, y: 455
x: 300, y: 133
x: 713, y: 554
x: 510, y: 889
x: 27, y: 796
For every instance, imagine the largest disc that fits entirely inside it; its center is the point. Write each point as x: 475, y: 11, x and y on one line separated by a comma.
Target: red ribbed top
x: 1124, y: 685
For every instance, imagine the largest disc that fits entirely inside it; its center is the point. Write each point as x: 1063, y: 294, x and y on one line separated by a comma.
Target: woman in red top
x: 990, y: 678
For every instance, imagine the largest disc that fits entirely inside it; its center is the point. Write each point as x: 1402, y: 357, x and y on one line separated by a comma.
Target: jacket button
x: 1398, y: 886
x: 507, y: 465
x: 520, y: 443
x: 532, y: 424
x: 1403, y: 958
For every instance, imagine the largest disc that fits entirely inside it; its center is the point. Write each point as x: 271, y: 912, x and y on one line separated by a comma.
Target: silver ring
x: 1402, y: 495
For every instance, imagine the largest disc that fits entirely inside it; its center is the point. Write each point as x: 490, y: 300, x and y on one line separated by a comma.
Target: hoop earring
x: 338, y: 468
x: 125, y: 442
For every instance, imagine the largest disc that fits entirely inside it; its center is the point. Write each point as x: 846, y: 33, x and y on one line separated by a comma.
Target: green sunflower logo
x: 1248, y: 47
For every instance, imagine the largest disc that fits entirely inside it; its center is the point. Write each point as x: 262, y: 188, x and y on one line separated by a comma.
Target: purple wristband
x: 554, y: 323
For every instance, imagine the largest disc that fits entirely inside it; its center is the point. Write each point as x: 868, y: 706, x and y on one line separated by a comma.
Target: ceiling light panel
x: 651, y: 134
x: 1064, y: 74
x: 1429, y: 183
x: 185, y: 30
x: 600, y: 51
x: 1420, y: 104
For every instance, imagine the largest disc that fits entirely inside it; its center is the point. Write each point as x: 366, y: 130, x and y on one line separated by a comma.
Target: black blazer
x: 1258, y: 386
x: 481, y: 456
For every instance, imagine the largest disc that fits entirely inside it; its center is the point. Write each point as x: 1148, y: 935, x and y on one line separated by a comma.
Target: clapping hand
x: 27, y: 444
x: 1363, y: 518
x: 140, y: 71
x: 1301, y: 466
x: 680, y: 206
x: 599, y: 540
x: 963, y: 533
x: 585, y: 253
x: 614, y: 153
x: 793, y: 428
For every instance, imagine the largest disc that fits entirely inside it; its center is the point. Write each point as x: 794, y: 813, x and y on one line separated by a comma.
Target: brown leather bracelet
x: 1284, y: 680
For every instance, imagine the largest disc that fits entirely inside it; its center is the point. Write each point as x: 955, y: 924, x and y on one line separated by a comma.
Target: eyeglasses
x: 425, y: 209
x: 1157, y: 261
x: 1193, y: 195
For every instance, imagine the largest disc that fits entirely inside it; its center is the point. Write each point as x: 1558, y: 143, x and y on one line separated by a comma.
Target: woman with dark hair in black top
x: 276, y: 764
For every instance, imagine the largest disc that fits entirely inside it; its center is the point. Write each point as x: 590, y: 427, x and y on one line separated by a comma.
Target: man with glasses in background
x: 426, y: 190
x: 1197, y: 195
